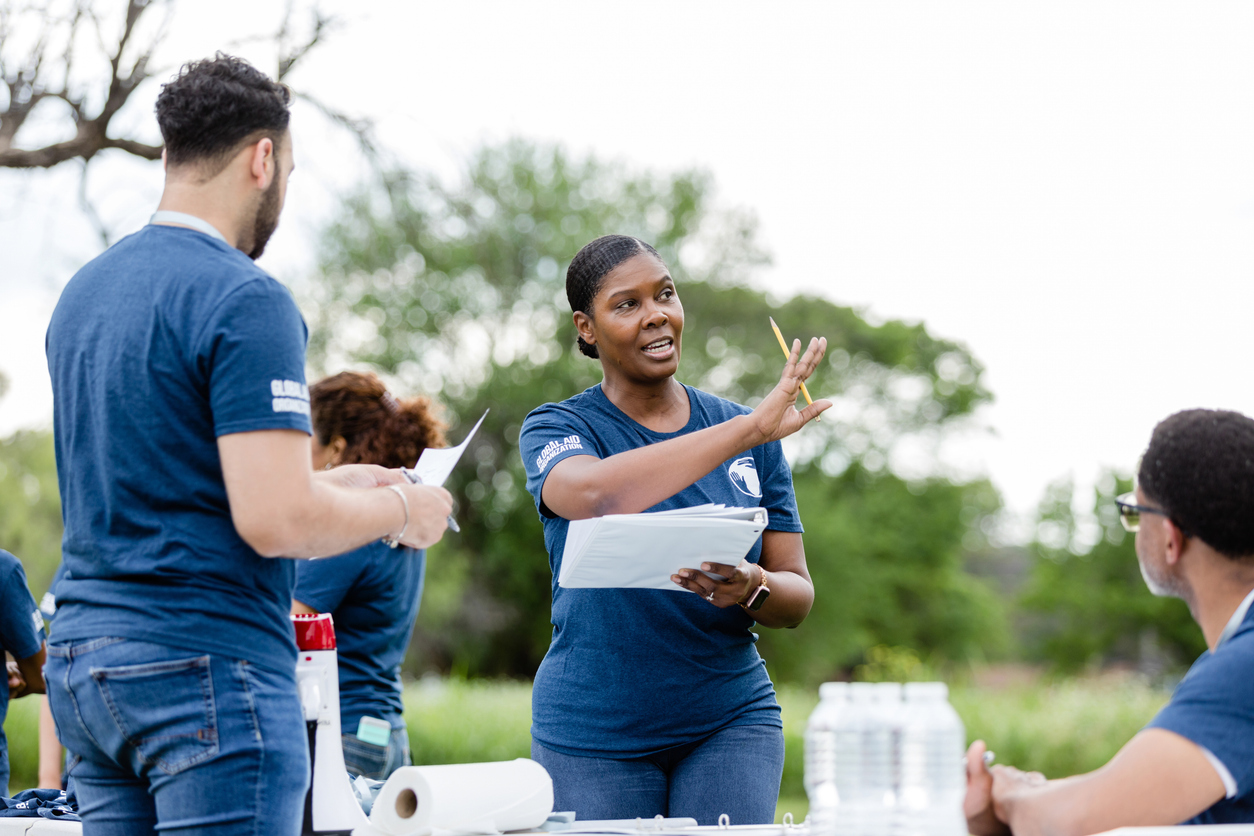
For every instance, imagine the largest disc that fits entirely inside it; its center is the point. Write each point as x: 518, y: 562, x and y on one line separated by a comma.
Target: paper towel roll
x: 464, y: 798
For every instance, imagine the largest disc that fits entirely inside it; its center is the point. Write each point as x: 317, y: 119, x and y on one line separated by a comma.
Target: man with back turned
x: 1193, y: 514
x: 181, y: 419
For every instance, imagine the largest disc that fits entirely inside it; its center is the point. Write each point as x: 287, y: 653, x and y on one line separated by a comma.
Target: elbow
x: 600, y: 502
x: 267, y: 536
x: 586, y: 501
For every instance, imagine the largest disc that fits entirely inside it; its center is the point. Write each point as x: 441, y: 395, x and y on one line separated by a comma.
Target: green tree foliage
x: 459, y: 291
x: 886, y: 557
x: 30, y: 507
x: 1090, y: 602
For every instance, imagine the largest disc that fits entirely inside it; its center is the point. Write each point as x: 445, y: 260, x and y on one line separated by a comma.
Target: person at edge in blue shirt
x: 22, y: 637
x: 1193, y: 514
x: 372, y: 593
x: 652, y: 702
x: 181, y: 425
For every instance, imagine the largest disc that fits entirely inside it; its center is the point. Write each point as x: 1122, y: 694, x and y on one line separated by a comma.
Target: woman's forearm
x: 789, y: 602
x: 633, y: 481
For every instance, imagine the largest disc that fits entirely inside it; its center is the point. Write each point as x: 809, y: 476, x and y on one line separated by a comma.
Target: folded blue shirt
x: 47, y: 804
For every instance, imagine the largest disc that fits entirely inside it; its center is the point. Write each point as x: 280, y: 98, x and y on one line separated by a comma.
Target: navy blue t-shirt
x: 635, y: 671
x: 372, y: 594
x: 164, y: 342
x: 1214, y: 707
x: 21, y: 633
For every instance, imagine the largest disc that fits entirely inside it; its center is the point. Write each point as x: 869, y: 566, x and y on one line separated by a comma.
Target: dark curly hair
x: 379, y: 428
x: 1200, y: 467
x: 589, y: 268
x: 212, y: 106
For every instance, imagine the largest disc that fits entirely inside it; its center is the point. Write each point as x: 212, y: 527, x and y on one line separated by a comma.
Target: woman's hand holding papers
x: 791, y: 590
x: 739, y: 582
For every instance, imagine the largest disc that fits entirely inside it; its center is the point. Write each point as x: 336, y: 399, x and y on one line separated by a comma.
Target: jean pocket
x: 362, y: 758
x: 165, y: 710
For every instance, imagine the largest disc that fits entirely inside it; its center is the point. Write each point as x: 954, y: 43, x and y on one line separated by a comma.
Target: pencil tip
x: 772, y: 319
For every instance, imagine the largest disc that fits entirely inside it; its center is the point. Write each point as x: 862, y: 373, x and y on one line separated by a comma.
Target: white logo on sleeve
x: 556, y: 448
x: 289, y: 396
x: 745, y: 477
x: 37, y: 620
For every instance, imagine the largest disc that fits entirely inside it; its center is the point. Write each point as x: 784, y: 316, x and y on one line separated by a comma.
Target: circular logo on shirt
x: 745, y: 477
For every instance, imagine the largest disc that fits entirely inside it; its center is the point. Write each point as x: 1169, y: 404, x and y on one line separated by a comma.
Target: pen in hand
x: 417, y: 480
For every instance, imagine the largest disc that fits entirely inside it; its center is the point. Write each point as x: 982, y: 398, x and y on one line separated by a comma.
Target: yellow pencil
x: 788, y: 354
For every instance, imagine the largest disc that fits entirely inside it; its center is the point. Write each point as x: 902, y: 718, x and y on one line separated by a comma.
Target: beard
x: 1160, y: 582
x: 266, y: 220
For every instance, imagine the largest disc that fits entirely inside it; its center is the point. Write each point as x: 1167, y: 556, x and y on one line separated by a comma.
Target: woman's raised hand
x: 777, y: 416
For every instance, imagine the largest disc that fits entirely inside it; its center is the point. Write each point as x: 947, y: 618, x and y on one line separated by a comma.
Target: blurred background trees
x: 1087, y: 604
x: 456, y: 288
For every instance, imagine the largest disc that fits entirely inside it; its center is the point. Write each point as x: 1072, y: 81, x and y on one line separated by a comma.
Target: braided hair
x: 589, y: 268
x: 378, y: 428
x: 1200, y: 467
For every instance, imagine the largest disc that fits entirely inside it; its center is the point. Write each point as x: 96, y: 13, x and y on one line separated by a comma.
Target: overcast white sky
x: 1067, y: 188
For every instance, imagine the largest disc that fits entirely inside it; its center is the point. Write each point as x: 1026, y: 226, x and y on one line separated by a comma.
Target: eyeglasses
x: 1130, y: 513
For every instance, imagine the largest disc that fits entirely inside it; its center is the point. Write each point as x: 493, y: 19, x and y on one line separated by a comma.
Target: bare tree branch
x: 289, y: 58
x: 43, y: 69
x: 361, y: 129
x: 28, y: 87
x: 89, y: 208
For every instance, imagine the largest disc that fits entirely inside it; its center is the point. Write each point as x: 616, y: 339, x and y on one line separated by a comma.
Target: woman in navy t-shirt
x: 373, y: 592
x: 651, y: 702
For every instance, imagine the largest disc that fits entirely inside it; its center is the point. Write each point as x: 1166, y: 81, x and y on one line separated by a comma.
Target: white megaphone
x: 331, y: 808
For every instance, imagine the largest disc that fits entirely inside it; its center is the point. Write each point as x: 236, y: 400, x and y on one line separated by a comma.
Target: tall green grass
x: 1057, y: 727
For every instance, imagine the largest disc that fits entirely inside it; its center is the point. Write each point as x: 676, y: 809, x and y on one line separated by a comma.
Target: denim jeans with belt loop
x: 171, y: 740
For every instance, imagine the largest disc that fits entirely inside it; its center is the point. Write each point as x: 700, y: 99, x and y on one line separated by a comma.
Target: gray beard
x: 1163, y: 586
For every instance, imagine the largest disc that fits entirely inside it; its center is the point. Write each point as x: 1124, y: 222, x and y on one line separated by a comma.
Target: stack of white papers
x: 642, y: 551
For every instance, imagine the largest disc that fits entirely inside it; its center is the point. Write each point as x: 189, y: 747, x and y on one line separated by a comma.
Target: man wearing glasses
x: 1193, y: 515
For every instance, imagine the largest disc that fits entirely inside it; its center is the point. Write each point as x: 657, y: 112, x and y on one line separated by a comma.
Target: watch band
x: 759, y: 595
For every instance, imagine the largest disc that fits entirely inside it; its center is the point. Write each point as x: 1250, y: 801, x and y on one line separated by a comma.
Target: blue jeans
x: 734, y: 771
x: 168, y: 740
x: 376, y: 762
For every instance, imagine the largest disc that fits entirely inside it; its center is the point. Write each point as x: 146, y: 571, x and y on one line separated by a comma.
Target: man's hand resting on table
x: 978, y: 806
x: 1157, y: 778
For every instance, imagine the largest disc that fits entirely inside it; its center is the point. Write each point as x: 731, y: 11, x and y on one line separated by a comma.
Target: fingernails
x: 705, y: 567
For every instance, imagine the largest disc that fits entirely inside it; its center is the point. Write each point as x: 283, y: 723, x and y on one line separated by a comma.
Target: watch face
x: 758, y: 599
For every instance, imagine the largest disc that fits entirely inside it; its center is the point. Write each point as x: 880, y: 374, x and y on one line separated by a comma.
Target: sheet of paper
x: 435, y: 464
x: 644, y: 550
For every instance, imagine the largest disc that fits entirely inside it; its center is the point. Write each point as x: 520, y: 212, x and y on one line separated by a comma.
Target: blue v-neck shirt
x: 631, y: 672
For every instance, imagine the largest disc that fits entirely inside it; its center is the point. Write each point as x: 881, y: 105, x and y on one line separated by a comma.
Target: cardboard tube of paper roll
x: 464, y: 798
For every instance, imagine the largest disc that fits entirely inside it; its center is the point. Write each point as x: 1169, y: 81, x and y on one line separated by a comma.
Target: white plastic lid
x: 888, y: 692
x: 927, y: 691
x: 861, y: 691
x: 834, y: 691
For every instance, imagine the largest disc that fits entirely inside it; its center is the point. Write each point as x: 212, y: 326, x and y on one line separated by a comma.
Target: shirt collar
x: 165, y: 216
x: 1237, y: 619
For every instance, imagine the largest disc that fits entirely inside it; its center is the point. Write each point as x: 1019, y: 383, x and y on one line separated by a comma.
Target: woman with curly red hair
x: 373, y: 592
